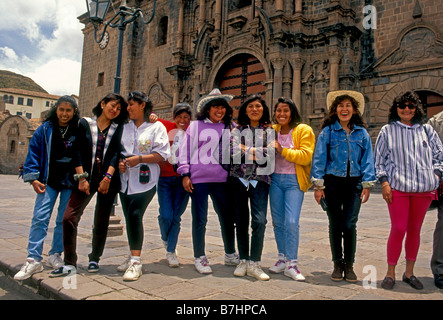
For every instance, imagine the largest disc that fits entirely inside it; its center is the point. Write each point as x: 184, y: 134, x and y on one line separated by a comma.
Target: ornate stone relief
x: 417, y: 45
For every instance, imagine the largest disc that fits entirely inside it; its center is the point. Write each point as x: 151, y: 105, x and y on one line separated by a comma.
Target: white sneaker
x: 232, y: 259
x: 172, y: 259
x: 55, y: 261
x: 125, y: 265
x: 134, y: 271
x: 292, y: 271
x: 28, y: 269
x: 240, y: 271
x: 254, y: 270
x: 202, y: 265
x: 278, y: 267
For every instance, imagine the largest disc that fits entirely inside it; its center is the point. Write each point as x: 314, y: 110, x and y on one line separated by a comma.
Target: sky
x: 43, y: 40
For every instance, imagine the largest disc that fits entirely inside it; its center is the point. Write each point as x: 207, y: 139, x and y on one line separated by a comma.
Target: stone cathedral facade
x: 292, y: 48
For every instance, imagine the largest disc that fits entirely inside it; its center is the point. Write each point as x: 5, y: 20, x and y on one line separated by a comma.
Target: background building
x: 29, y: 104
x: 293, y: 48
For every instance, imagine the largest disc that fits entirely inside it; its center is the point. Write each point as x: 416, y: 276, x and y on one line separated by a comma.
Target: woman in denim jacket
x: 342, y: 173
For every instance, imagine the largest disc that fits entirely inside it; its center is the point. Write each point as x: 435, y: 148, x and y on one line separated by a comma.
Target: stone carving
x: 417, y: 45
x: 158, y: 96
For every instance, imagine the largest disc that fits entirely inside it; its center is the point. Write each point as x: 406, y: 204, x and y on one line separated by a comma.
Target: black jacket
x: 86, y: 147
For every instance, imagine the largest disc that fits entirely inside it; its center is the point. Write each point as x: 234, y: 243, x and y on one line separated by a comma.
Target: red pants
x: 407, y: 212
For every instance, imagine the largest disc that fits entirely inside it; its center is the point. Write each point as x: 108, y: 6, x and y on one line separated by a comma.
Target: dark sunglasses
x: 409, y: 106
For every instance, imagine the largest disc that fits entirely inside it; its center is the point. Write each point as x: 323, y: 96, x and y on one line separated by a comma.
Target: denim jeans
x: 239, y: 195
x: 173, y: 200
x: 343, y: 198
x: 199, y: 208
x: 286, y: 200
x: 44, y: 204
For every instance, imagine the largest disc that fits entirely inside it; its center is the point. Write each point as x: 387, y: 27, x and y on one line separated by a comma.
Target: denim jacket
x: 335, y: 149
x: 36, y: 166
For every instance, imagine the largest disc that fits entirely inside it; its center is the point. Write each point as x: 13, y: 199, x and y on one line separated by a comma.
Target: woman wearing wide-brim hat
x: 204, y: 172
x: 342, y: 173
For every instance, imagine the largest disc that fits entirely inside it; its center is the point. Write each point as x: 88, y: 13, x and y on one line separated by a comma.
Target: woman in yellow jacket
x: 294, y: 147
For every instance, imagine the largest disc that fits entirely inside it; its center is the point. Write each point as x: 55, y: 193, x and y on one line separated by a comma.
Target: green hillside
x: 10, y: 79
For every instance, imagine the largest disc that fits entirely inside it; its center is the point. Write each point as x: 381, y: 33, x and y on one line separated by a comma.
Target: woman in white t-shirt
x: 144, y: 144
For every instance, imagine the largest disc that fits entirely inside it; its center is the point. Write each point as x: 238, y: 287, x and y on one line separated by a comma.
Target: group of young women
x: 240, y: 166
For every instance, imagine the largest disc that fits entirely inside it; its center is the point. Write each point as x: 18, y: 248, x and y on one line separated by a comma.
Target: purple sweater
x: 199, y: 153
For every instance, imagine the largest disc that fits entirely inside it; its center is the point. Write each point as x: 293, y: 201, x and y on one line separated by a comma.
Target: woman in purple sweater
x: 202, y: 163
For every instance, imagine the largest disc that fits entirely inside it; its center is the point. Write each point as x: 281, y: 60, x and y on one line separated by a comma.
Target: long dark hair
x: 204, y: 112
x: 400, y: 100
x: 141, y: 97
x: 243, y: 118
x: 332, y: 116
x: 52, y: 114
x: 295, y: 116
x: 122, y: 117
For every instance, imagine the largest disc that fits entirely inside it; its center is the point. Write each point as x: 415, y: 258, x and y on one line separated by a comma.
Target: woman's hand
x: 387, y: 193
x: 318, y: 194
x: 365, y: 195
x: 187, y: 184
x: 83, y: 186
x: 122, y: 166
x: 103, y: 187
x: 277, y: 146
x: 132, y: 161
x: 38, y: 186
x: 153, y: 118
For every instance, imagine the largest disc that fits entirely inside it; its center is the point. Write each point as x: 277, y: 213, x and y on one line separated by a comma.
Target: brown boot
x: 337, y: 274
x: 350, y: 276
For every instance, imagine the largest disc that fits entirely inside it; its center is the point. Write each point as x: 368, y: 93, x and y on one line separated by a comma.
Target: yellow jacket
x: 304, y: 144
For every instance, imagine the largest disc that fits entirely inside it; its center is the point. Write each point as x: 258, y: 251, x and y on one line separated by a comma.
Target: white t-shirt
x: 144, y: 140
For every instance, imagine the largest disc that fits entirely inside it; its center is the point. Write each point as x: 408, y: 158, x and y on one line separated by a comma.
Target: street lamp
x: 97, y: 10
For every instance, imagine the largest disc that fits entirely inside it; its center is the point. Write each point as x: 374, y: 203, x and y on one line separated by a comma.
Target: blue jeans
x: 199, y: 208
x: 286, y: 200
x: 44, y: 204
x: 173, y: 200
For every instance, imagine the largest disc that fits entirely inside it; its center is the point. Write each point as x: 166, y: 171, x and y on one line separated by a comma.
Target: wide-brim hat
x: 354, y: 94
x: 213, y: 95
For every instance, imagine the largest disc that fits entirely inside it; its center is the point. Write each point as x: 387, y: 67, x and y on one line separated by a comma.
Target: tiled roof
x: 29, y: 93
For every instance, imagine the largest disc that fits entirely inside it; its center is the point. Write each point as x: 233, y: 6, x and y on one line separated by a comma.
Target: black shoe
x: 388, y: 283
x: 63, y: 271
x: 438, y: 280
x: 413, y: 282
x: 93, y: 267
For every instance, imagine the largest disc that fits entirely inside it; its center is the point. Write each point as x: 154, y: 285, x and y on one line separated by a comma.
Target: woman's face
x: 254, y: 111
x: 217, y: 113
x: 283, y: 114
x: 65, y: 112
x: 182, y: 120
x: 111, y: 109
x: 136, y: 110
x: 407, y: 113
x: 345, y: 110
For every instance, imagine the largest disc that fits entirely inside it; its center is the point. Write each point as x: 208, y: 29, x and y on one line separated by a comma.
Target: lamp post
x: 97, y: 10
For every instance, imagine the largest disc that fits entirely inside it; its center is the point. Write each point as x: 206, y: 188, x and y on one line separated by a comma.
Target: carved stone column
x: 202, y: 14
x: 297, y: 65
x: 279, y: 6
x: 180, y: 26
x: 334, y: 59
x: 278, y: 64
x: 298, y: 6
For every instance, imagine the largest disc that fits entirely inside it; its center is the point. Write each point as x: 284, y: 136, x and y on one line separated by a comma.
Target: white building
x: 29, y: 104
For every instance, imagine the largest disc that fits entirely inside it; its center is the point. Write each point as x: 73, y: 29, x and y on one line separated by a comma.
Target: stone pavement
x: 159, y: 282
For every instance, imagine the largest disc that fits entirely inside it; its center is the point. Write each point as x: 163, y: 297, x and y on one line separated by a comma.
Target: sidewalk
x: 159, y: 282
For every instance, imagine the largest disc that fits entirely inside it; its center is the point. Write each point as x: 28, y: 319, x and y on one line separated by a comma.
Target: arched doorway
x: 242, y: 76
x: 432, y: 102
